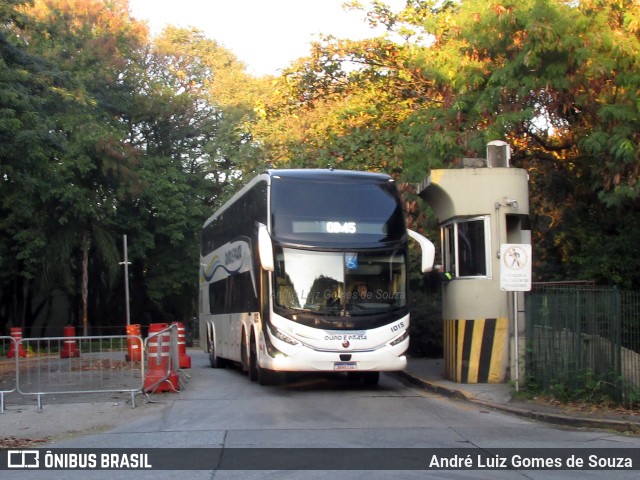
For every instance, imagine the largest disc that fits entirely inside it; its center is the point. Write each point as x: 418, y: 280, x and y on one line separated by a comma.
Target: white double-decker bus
x: 306, y: 271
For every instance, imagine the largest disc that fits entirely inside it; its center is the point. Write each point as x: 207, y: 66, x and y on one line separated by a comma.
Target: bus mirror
x: 428, y: 250
x: 265, y: 249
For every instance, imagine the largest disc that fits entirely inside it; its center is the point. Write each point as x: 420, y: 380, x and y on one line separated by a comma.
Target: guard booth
x: 479, y: 207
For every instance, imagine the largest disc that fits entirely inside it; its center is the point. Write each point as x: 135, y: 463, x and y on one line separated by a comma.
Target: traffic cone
x: 184, y: 358
x: 69, y: 349
x: 134, y: 343
x: 16, y: 333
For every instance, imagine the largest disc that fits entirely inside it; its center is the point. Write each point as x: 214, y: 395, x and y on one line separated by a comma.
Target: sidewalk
x: 429, y: 374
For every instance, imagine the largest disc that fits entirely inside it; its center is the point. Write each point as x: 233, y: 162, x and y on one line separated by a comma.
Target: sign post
x: 126, y: 264
x: 515, y: 276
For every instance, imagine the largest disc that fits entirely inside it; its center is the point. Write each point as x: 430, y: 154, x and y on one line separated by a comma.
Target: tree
x: 110, y: 133
x: 31, y: 88
x: 557, y: 80
x: 91, y: 40
x: 191, y: 101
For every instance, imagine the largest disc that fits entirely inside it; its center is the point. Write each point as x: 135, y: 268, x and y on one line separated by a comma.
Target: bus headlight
x: 399, y: 339
x: 280, y: 335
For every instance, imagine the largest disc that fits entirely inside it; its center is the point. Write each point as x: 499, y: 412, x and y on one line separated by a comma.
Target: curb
x: 621, y: 426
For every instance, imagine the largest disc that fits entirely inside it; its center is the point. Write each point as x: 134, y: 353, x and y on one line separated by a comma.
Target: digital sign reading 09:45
x: 334, y: 227
x: 338, y: 227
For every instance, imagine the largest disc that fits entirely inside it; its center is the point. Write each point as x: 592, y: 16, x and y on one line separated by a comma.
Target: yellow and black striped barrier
x: 475, y: 350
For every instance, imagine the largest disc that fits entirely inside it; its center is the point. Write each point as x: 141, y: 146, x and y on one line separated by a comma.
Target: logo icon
x: 23, y: 459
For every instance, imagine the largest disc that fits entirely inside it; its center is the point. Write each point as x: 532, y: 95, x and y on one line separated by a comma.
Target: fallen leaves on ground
x: 13, y: 442
x: 593, y: 409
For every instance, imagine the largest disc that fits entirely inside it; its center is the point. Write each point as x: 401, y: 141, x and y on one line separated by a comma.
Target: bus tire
x: 370, y: 379
x: 267, y: 377
x: 253, y: 360
x: 244, y: 355
x: 214, y: 360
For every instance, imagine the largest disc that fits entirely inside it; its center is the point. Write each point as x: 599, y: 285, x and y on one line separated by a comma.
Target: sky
x: 266, y: 35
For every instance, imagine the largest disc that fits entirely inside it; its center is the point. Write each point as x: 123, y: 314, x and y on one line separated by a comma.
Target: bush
x: 426, y: 328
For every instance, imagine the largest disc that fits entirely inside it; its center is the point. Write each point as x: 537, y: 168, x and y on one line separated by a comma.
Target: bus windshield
x: 339, y: 283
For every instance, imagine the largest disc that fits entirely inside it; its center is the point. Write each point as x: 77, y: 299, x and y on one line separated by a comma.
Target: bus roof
x: 327, y: 174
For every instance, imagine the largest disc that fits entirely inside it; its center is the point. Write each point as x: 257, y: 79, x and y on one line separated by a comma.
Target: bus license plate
x: 345, y: 366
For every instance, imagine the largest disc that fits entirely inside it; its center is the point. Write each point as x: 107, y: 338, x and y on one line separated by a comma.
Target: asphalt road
x: 223, y: 409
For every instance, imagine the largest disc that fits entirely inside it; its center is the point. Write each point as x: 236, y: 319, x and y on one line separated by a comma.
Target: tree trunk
x: 85, y: 282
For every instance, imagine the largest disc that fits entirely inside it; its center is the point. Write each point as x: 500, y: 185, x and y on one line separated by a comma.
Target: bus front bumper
x: 307, y: 360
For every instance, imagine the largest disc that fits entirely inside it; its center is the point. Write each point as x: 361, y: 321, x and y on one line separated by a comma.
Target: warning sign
x: 515, y: 267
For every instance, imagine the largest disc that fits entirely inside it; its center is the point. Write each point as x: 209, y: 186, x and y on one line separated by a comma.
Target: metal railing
x: 77, y: 365
x: 92, y: 365
x: 162, y: 360
x: 584, y: 338
x: 7, y: 369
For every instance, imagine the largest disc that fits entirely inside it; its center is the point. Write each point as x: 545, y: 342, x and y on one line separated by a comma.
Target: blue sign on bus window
x: 351, y: 262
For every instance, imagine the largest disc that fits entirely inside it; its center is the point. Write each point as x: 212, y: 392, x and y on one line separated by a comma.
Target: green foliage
x: 583, y: 387
x: 557, y: 80
x: 106, y: 131
x: 426, y: 328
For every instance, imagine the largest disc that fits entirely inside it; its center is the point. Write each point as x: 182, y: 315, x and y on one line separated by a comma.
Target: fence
x: 82, y: 365
x: 7, y: 369
x: 586, y: 339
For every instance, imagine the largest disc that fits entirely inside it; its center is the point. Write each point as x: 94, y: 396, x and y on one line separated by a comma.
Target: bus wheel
x: 267, y: 377
x: 370, y: 379
x: 214, y: 360
x: 244, y: 356
x: 253, y: 360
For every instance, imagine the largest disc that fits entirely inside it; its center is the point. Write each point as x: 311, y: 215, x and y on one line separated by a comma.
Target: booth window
x: 465, y: 243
